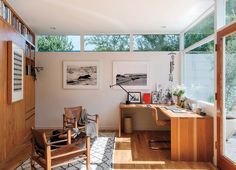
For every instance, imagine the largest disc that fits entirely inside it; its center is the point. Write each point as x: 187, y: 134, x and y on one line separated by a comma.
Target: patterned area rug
x: 101, y: 155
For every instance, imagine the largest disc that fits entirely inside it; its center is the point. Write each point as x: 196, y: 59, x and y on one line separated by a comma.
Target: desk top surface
x: 161, y: 107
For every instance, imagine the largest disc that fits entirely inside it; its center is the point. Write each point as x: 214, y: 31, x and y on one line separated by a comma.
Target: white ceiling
x: 109, y: 16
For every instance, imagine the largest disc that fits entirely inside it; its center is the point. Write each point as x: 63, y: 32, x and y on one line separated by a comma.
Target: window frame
x: 199, y: 44
x: 206, y: 40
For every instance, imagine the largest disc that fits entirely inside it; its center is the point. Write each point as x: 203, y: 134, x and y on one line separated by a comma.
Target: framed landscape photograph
x: 134, y: 97
x: 131, y: 74
x: 81, y: 75
x: 15, y: 72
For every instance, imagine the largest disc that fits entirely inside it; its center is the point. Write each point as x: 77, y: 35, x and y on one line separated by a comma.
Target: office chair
x: 159, y: 123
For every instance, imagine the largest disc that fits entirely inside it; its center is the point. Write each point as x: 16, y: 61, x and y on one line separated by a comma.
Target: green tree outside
x: 230, y: 11
x: 200, y: 31
x: 54, y: 43
x: 156, y: 42
x: 107, y: 43
x: 230, y: 73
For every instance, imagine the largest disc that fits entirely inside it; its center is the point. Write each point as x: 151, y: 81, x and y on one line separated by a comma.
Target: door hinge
x: 215, y: 96
x: 216, y: 47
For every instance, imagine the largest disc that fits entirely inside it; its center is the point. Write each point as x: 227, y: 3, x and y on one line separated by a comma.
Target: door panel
x: 226, y: 97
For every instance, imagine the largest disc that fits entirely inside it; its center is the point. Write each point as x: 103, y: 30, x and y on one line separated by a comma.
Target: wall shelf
x: 11, y: 18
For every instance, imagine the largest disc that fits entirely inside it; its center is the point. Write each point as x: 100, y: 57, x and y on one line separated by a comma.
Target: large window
x: 156, y: 42
x: 230, y: 73
x: 199, y: 72
x: 101, y: 43
x: 230, y: 11
x: 58, y: 43
x: 200, y: 31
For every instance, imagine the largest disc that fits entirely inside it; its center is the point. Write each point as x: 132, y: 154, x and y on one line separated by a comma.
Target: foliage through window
x: 101, y: 43
x: 156, y: 42
x: 58, y: 43
x: 230, y: 11
x: 230, y: 73
x: 199, y: 72
x: 200, y: 31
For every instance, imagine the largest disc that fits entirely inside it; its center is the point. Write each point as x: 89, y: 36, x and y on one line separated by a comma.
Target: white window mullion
x: 82, y: 42
x: 181, y: 49
x: 131, y: 44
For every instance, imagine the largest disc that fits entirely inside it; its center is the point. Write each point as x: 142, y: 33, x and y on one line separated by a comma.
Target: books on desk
x: 175, y: 109
x: 179, y: 111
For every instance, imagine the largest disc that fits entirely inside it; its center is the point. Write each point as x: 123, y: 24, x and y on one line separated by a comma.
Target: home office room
x: 118, y: 84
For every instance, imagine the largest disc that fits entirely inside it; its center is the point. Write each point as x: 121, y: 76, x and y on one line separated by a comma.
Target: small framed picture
x: 155, y: 97
x: 134, y: 97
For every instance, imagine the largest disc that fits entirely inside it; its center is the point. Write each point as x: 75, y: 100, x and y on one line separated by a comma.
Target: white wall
x: 51, y: 98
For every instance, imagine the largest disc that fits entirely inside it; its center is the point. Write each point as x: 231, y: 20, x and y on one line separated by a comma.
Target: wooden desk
x: 191, y: 134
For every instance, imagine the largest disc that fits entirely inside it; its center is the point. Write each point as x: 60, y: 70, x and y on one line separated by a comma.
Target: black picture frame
x: 134, y: 97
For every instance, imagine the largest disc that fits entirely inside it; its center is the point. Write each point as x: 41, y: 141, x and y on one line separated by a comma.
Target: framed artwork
x: 155, y: 97
x: 131, y: 74
x: 15, y: 72
x: 81, y: 75
x: 134, y: 97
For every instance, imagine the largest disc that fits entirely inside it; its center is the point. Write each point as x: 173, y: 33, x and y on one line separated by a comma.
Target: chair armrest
x: 68, y: 138
x: 58, y: 134
x: 55, y: 142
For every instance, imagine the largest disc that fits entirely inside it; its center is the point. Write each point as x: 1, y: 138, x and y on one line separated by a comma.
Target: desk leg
x: 174, y: 139
x: 119, y: 123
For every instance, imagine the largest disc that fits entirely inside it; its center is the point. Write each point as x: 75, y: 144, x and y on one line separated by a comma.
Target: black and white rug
x: 101, y: 155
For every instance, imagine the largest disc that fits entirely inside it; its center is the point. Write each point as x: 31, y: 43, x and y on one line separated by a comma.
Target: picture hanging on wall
x: 15, y: 72
x: 81, y: 74
x: 131, y: 74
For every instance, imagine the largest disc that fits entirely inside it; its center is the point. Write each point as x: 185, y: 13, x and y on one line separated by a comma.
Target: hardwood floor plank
x: 132, y: 152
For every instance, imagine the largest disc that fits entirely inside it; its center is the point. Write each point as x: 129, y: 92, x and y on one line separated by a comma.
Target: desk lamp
x: 128, y: 94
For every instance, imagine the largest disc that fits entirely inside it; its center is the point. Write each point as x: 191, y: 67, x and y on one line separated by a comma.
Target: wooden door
x: 226, y: 98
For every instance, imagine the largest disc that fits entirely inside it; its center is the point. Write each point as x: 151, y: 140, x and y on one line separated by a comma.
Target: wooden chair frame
x: 64, y: 154
x: 158, y: 123
x: 69, y: 123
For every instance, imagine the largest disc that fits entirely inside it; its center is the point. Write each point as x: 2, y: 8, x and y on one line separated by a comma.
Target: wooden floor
x: 132, y: 152
x: 18, y: 158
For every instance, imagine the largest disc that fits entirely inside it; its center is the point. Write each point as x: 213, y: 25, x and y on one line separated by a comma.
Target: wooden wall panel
x: 2, y: 108
x: 205, y: 139
x: 12, y: 116
x: 192, y: 139
x: 29, y: 93
x: 186, y: 139
x: 174, y: 139
x: 29, y: 122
